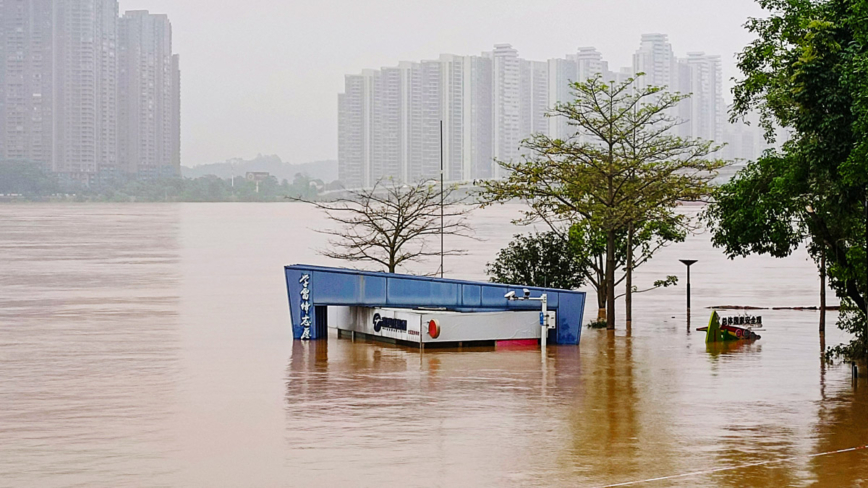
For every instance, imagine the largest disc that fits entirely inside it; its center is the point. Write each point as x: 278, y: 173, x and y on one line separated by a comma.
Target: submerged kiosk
x: 427, y: 311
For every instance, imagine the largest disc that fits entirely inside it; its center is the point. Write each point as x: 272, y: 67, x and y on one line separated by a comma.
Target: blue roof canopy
x: 309, y: 287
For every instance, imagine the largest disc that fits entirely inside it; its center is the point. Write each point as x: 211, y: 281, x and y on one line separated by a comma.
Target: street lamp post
x: 688, y: 263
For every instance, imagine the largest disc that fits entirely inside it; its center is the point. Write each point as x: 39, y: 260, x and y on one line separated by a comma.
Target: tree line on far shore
x: 24, y: 181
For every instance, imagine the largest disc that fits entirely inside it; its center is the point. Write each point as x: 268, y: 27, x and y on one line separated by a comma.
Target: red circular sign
x: 433, y: 329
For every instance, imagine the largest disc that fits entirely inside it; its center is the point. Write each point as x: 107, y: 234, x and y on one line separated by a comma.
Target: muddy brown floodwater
x: 149, y: 345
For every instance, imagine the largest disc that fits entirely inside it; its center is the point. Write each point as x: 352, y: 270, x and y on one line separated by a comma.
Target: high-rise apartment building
x: 478, y: 152
x: 428, y: 166
x: 27, y: 75
x: 534, y: 97
x: 386, y: 123
x: 85, y: 87
x: 466, y: 113
x: 354, y: 127
x: 60, y: 89
x: 453, y: 99
x: 506, y: 112
x: 59, y: 85
x: 698, y: 75
x: 589, y: 63
x: 389, y: 119
x: 656, y: 60
x: 562, y: 72
x: 148, y: 91
x: 411, y: 119
x: 702, y: 113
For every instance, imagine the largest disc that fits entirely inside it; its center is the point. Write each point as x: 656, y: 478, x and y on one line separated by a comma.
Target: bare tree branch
x: 390, y: 224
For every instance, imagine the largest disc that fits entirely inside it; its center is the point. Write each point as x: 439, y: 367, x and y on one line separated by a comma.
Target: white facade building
x: 27, y: 87
x: 389, y: 119
x: 60, y: 89
x: 534, y: 98
x: 703, y: 113
x: 149, y: 87
x: 354, y: 128
x: 562, y: 72
x: 506, y: 110
x: 657, y: 61
x: 589, y: 63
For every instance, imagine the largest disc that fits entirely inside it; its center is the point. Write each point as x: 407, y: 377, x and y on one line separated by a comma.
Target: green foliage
x: 623, y: 165
x: 807, y: 72
x: 25, y: 178
x: 852, y: 321
x: 669, y: 281
x: 597, y: 324
x: 32, y: 183
x: 623, y: 169
x: 541, y: 259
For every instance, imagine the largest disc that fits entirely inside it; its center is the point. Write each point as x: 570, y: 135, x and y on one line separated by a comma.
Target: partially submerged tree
x: 623, y: 167
x: 571, y: 258
x: 539, y: 259
x: 392, y: 224
x: 634, y: 247
x: 807, y: 72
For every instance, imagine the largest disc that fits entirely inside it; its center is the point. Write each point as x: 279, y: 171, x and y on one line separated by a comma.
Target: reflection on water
x: 150, y: 345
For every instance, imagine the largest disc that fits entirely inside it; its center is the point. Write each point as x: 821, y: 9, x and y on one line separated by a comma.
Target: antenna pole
x: 441, y: 199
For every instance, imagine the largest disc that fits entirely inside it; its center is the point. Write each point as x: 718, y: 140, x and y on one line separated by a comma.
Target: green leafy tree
x: 540, y: 259
x: 633, y: 249
x: 303, y: 187
x: 807, y: 73
x: 25, y: 178
x: 624, y: 167
x: 570, y: 259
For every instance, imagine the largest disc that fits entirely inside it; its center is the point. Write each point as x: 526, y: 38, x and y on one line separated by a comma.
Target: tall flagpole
x: 441, y: 199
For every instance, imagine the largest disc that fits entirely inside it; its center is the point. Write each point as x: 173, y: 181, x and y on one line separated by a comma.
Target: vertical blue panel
x: 570, y: 312
x: 294, y: 289
x: 492, y: 297
x: 553, y: 296
x: 408, y: 292
x: 373, y: 291
x: 471, y: 296
x: 338, y: 288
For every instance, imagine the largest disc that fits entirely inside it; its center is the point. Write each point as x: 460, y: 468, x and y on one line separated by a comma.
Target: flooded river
x: 149, y: 345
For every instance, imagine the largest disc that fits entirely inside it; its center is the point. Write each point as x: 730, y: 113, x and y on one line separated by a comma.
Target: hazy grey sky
x: 262, y: 76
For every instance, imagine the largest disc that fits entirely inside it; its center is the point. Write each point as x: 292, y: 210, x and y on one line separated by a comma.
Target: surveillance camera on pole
x: 543, y: 316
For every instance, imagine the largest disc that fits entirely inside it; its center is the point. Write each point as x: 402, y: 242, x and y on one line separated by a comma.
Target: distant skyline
x: 262, y: 76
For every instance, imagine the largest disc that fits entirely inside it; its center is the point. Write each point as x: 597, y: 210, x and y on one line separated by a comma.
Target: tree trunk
x: 628, y: 298
x: 601, y: 295
x: 610, y: 280
x: 823, y: 291
x: 601, y: 305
